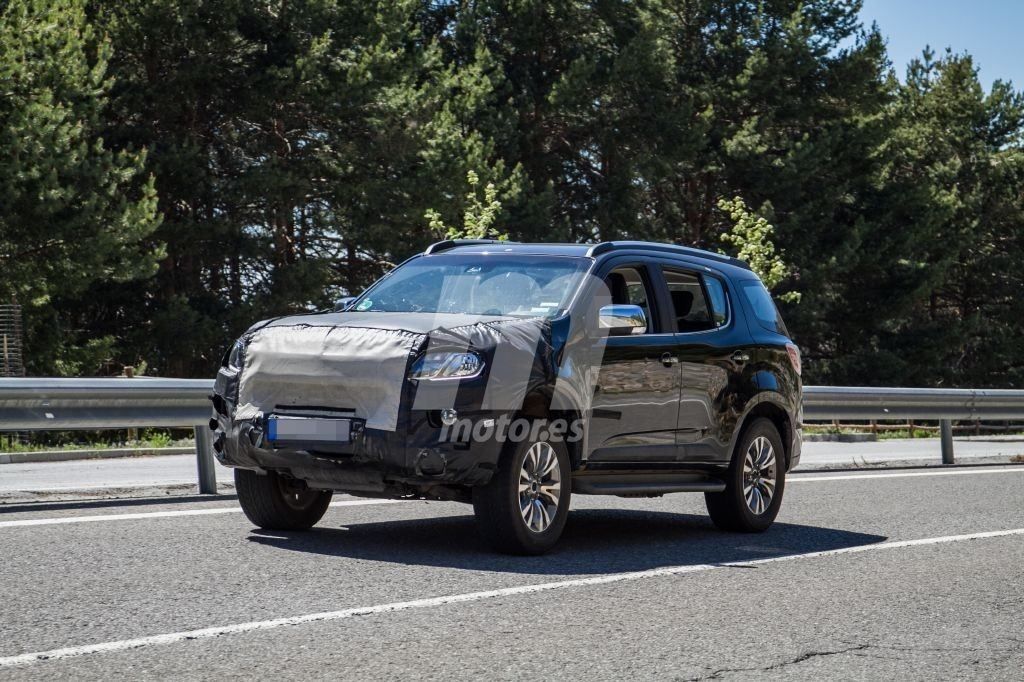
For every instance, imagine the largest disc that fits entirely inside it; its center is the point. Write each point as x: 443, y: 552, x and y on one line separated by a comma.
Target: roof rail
x: 438, y: 247
x: 605, y: 247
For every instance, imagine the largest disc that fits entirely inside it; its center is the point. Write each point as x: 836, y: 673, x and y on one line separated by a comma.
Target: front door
x: 635, y: 404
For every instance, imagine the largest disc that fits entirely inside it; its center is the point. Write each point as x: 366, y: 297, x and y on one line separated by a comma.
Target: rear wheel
x: 756, y: 480
x: 523, y: 509
x: 274, y: 502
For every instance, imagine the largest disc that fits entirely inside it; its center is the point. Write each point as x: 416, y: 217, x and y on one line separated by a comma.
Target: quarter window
x: 764, y: 307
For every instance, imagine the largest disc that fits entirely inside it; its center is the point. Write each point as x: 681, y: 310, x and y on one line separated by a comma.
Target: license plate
x: 308, y: 429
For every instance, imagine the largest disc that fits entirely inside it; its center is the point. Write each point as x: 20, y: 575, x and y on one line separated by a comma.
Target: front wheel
x: 523, y: 509
x: 755, y: 483
x: 274, y: 502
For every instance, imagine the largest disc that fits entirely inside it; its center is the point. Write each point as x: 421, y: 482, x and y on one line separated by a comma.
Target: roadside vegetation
x: 175, y: 170
x: 105, y: 440
x: 891, y: 430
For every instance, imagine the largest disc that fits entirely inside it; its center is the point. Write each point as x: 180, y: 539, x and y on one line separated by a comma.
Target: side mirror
x: 342, y: 304
x: 622, y: 320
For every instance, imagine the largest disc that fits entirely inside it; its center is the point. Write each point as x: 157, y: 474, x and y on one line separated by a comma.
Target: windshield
x: 478, y: 284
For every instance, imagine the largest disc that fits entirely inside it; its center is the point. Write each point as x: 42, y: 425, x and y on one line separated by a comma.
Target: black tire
x: 270, y: 501
x: 499, y: 513
x: 730, y: 509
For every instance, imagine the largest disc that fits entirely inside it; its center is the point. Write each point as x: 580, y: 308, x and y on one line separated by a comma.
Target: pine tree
x: 956, y: 181
x: 296, y: 147
x: 73, y: 210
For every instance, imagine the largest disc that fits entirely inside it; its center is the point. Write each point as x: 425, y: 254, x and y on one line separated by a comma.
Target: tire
x: 502, y: 510
x: 271, y: 502
x: 731, y: 509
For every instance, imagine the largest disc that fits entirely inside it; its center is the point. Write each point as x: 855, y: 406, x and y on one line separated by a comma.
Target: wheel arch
x: 537, y: 405
x: 771, y: 407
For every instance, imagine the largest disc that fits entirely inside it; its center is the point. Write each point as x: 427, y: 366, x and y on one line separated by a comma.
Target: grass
x: 889, y: 433
x: 905, y: 433
x: 146, y: 440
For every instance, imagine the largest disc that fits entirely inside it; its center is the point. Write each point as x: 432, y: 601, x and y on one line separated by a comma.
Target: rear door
x: 713, y: 357
x: 635, y: 403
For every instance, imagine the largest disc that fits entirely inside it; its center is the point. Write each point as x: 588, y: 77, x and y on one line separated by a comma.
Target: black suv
x: 512, y: 375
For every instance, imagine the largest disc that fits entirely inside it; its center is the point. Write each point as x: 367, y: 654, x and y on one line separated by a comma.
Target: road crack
x: 717, y: 674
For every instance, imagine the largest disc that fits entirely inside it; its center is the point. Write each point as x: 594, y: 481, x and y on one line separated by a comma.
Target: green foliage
x: 156, y: 439
x: 73, y: 210
x: 482, y: 211
x: 752, y: 237
x: 86, y: 358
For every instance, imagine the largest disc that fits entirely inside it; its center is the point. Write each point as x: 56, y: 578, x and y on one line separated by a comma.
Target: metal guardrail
x: 944, y: 404
x: 846, y: 402
x: 69, y: 404
x: 32, y: 404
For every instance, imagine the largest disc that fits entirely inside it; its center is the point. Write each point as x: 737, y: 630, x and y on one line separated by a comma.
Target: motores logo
x: 515, y: 430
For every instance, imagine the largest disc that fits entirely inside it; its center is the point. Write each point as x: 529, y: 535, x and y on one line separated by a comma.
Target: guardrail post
x: 205, y: 460
x: 946, y: 434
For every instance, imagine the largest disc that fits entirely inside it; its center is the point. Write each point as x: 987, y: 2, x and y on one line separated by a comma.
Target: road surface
x: 899, y: 574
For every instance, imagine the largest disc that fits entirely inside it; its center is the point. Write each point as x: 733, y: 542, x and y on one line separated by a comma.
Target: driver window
x: 627, y: 287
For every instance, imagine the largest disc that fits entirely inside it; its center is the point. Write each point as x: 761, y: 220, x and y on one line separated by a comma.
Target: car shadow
x: 594, y: 542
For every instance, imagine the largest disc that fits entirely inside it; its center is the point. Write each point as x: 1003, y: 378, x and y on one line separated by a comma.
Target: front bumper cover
x: 413, y: 461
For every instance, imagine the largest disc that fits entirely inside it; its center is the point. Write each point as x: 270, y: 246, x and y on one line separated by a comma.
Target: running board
x: 645, y: 484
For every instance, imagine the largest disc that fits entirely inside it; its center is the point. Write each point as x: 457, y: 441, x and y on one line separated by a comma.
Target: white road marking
x: 799, y: 478
x: 108, y: 486
x: 162, y: 514
x: 430, y: 602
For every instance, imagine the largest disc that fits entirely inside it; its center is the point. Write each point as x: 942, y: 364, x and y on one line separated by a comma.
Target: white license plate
x: 308, y: 429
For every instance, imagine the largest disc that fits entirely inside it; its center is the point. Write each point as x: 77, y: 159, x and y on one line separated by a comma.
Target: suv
x: 511, y: 376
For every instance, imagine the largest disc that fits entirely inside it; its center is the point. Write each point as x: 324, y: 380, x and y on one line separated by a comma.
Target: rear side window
x: 764, y: 307
x: 689, y: 303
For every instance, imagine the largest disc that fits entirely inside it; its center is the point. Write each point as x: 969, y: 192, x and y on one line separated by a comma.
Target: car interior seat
x: 682, y: 301
x: 618, y: 288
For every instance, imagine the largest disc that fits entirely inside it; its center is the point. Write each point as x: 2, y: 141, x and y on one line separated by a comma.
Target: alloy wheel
x: 540, y: 487
x: 759, y: 475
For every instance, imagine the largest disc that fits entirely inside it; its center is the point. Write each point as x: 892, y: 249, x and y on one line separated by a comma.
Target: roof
x: 468, y: 246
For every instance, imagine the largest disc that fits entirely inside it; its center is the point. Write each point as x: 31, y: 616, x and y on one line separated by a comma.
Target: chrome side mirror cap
x: 622, y: 320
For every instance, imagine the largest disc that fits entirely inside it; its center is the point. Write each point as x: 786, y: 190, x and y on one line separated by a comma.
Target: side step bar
x: 645, y: 484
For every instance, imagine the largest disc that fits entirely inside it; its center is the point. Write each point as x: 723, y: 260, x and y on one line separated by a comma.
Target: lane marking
x: 162, y: 514
x: 104, y: 486
x: 798, y: 476
x: 253, y: 626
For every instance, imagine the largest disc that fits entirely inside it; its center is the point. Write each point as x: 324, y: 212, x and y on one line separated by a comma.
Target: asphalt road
x: 117, y: 477
x: 915, y: 574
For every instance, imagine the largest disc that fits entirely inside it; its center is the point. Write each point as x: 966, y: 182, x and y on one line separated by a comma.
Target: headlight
x: 235, y: 356
x: 447, y: 366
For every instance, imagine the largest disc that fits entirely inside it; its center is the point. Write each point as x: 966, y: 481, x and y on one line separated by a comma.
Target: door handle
x: 668, y: 359
x: 740, y: 356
